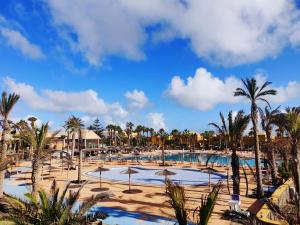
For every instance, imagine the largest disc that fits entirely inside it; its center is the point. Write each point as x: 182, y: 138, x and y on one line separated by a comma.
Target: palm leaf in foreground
x: 50, y: 209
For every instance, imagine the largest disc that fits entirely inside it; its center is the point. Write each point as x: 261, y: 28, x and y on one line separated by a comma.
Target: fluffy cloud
x: 16, y: 40
x: 137, y: 99
x: 156, y: 120
x: 59, y: 101
x: 225, y: 32
x: 204, y: 91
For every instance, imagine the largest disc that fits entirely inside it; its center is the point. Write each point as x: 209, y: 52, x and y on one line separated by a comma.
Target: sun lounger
x: 235, y: 203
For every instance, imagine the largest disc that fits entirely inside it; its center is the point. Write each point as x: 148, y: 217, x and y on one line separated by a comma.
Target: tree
x: 139, y: 130
x: 291, y: 120
x: 38, y: 139
x: 235, y: 128
x: 97, y: 127
x: 74, y: 124
x: 176, y: 136
x: 208, y: 135
x: 268, y: 119
x: 254, y: 94
x: 6, y: 105
x: 178, y: 199
x: 129, y: 128
x: 56, y: 208
x: 162, y: 134
x: 110, y: 128
x: 221, y: 129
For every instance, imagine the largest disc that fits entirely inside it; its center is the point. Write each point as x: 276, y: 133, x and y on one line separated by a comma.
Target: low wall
x: 280, y: 197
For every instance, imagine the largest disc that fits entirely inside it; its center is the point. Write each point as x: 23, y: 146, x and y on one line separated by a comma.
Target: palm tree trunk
x: 163, y: 154
x: 235, y: 165
x: 80, y: 157
x: 272, y: 160
x: 296, y: 172
x: 73, y: 145
x: 259, y: 189
x: 36, y: 175
x: 3, y: 152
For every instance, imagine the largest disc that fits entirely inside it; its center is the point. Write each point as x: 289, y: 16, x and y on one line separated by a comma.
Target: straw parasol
x: 165, y: 173
x: 100, y: 170
x: 129, y: 171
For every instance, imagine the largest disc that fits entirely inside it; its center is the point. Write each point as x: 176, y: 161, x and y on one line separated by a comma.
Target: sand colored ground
x: 147, y: 199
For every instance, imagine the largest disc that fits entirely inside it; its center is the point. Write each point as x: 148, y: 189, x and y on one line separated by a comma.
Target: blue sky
x: 130, y: 60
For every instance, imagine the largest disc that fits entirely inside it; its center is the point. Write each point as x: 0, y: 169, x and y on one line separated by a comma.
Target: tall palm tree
x: 109, y: 128
x: 139, y: 129
x: 162, y: 134
x: 186, y: 136
x: 51, y: 208
x: 254, y: 94
x: 38, y: 139
x: 129, y: 128
x: 176, y: 136
x: 268, y: 118
x: 6, y: 105
x: 235, y: 128
x: 73, y: 124
x: 291, y: 120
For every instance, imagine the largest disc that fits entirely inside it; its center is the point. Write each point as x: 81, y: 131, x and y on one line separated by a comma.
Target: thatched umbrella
x: 100, y: 170
x: 129, y: 171
x: 165, y: 173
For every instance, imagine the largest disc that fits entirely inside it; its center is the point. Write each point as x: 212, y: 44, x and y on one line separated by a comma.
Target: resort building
x: 63, y: 140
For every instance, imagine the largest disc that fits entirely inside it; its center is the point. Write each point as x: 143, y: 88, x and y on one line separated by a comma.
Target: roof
x: 86, y: 134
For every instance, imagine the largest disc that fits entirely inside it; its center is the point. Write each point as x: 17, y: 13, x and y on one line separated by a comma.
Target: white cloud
x: 137, y: 99
x: 60, y: 101
x: 16, y: 40
x: 156, y: 120
x: 225, y: 32
x: 204, y: 91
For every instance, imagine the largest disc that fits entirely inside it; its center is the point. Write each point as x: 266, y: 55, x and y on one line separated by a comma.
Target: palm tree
x: 176, y: 136
x: 162, y: 134
x: 254, y: 94
x: 235, y: 128
x: 73, y: 124
x: 38, y: 139
x: 222, y: 129
x: 129, y: 128
x: 268, y: 118
x: 139, y: 129
x: 186, y: 136
x: 291, y: 120
x: 109, y: 128
x: 6, y: 105
x: 56, y: 208
x: 178, y: 199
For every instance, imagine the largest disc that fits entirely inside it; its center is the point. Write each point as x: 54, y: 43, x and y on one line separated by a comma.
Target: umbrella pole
x: 209, y: 180
x: 100, y: 181
x: 166, y: 182
x: 129, y: 182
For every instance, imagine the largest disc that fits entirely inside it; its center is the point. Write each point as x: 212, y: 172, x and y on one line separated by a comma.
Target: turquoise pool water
x: 193, y: 157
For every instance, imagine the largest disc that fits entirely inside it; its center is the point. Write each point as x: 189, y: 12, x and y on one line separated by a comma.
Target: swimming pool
x: 183, y: 176
x: 193, y: 157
